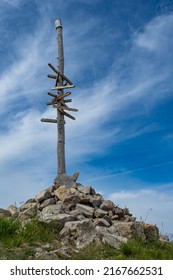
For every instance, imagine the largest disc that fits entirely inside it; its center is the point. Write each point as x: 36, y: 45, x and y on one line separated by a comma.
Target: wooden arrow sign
x: 65, y: 113
x: 52, y: 94
x: 49, y: 120
x: 65, y: 108
x: 63, y: 87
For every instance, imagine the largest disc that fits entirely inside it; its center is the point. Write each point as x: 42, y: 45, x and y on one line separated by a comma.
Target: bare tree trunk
x: 60, y: 116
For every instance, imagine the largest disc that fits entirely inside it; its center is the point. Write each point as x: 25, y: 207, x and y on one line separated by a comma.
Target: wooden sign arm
x: 53, y: 68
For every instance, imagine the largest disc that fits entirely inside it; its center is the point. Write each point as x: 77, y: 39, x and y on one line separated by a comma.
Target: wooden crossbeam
x: 57, y: 79
x: 54, y: 101
x: 65, y: 108
x: 67, y: 100
x: 49, y: 120
x: 61, y: 96
x: 62, y: 75
x: 52, y: 94
x: 57, y: 98
x: 66, y: 114
x: 63, y: 87
x: 65, y: 78
x: 69, y: 109
x: 53, y: 68
x: 51, y: 76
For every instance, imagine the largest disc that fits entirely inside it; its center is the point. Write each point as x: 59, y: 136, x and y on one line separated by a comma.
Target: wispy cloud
x: 128, y: 89
x: 98, y: 105
x: 150, y: 205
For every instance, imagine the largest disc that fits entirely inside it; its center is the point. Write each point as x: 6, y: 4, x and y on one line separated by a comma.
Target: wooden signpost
x: 58, y: 102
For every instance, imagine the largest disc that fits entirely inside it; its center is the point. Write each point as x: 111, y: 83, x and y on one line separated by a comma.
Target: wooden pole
x: 60, y: 116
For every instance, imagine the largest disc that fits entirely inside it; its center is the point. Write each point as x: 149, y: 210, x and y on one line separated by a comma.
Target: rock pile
x: 83, y: 214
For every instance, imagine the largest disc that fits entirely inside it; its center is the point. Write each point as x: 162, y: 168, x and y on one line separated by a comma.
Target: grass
x: 17, y: 242
x: 20, y: 243
x: 132, y: 250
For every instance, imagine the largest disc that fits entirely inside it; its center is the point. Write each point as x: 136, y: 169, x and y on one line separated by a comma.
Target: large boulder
x: 53, y: 209
x: 65, y: 180
x: 129, y: 230
x: 4, y: 213
x: 151, y: 232
x: 107, y: 205
x: 13, y: 211
x: 79, y: 233
x: 59, y: 218
x: 86, y: 210
x: 43, y: 195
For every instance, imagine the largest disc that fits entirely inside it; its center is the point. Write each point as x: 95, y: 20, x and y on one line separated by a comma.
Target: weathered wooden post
x: 58, y: 101
x: 60, y: 116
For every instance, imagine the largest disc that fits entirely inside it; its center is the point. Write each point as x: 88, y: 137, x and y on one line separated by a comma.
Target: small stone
x: 95, y: 201
x: 71, y: 200
x: 47, y: 202
x: 107, y: 205
x: 28, y: 205
x: 43, y: 195
x: 151, y: 232
x: 75, y: 176
x: 85, y: 190
x: 65, y: 180
x: 98, y: 213
x: 4, y: 213
x: 115, y: 217
x: 62, y: 192
x: 53, y: 209
x: 12, y: 209
x: 101, y: 222
x: 86, y: 210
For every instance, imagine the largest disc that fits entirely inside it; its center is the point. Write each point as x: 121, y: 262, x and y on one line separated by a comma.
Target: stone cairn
x: 84, y: 216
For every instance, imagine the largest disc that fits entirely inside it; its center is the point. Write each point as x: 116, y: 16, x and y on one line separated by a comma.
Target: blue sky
x: 119, y: 55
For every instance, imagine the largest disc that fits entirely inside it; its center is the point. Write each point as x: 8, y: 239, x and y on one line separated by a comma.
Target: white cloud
x: 113, y: 100
x: 157, y: 34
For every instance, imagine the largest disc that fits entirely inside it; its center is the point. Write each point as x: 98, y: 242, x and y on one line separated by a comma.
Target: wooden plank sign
x: 49, y: 120
x: 63, y: 87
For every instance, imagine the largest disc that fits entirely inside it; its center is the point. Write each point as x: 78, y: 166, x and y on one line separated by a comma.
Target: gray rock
x: 115, y: 217
x: 101, y: 222
x: 43, y: 195
x: 75, y: 176
x: 98, y: 213
x: 13, y: 210
x: 61, y: 219
x: 62, y: 192
x: 4, y: 213
x: 51, y: 189
x: 108, y: 219
x: 77, y: 215
x: 130, y: 230
x: 28, y: 214
x: 114, y: 240
x: 81, y: 233
x: 151, y: 232
x: 118, y: 211
x: 86, y: 190
x: 47, y: 202
x: 107, y: 205
x: 28, y: 205
x: 65, y: 180
x: 86, y: 210
x: 71, y: 201
x: 53, y: 209
x: 95, y: 201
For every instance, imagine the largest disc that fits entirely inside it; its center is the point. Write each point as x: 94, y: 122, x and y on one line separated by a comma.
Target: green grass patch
x: 12, y: 234
x: 132, y: 250
x: 17, y: 242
